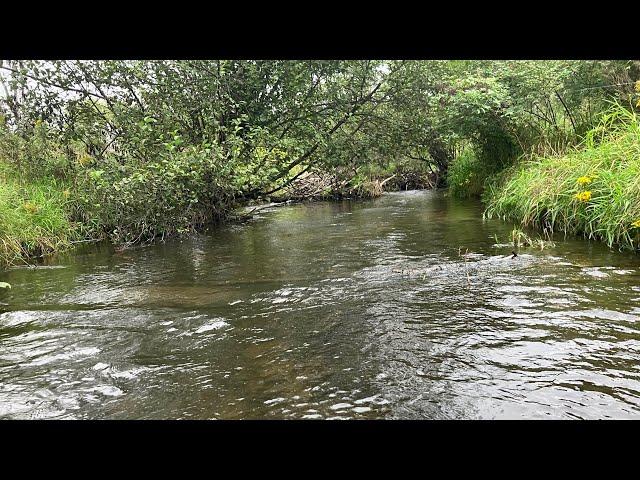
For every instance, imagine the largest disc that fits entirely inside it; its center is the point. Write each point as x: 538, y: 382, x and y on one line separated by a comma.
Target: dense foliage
x: 133, y: 150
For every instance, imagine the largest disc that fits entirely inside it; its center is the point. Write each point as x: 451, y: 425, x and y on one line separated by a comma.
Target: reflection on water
x: 328, y: 310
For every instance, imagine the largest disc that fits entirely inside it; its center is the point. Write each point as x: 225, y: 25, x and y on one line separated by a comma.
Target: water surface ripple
x: 401, y: 307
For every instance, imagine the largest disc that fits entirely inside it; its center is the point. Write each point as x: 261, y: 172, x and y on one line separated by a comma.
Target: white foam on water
x: 623, y: 272
x: 108, y: 390
x: 128, y: 374
x: 68, y: 402
x: 215, y: 325
x: 595, y: 272
x: 91, y: 398
x: 361, y: 409
x: 366, y: 400
x: 15, y: 318
x: 80, y: 352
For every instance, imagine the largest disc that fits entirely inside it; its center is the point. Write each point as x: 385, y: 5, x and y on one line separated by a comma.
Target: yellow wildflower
x: 583, y: 196
x: 66, y: 193
x: 30, y: 207
x: 84, y: 159
x: 636, y: 224
x: 279, y: 153
x: 638, y: 86
x: 584, y: 180
x: 261, y: 152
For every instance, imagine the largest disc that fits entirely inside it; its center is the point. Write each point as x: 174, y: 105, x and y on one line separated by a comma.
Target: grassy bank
x: 592, y: 189
x: 33, y: 220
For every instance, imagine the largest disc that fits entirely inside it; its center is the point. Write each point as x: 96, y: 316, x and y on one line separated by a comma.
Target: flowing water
x: 401, y: 307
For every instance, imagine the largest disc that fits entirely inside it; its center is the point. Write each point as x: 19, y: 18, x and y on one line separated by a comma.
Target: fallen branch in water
x: 387, y: 179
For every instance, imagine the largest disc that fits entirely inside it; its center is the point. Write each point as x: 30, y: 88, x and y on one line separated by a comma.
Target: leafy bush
x: 38, y: 154
x: 467, y: 174
x: 175, y: 194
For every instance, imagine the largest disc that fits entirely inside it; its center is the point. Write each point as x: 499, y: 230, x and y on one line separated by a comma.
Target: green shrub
x: 466, y: 174
x: 175, y: 194
x: 40, y: 154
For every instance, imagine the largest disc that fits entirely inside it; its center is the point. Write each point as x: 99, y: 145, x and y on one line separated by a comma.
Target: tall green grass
x: 593, y: 189
x: 467, y: 174
x: 33, y: 220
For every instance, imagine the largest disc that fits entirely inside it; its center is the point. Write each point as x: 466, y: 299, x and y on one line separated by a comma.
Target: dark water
x: 327, y: 310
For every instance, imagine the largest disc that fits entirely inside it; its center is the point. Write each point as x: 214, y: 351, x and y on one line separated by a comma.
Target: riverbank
x: 591, y: 190
x: 39, y: 217
x: 33, y: 220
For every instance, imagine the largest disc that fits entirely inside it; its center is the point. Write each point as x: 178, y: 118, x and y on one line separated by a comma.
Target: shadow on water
x: 400, y: 307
